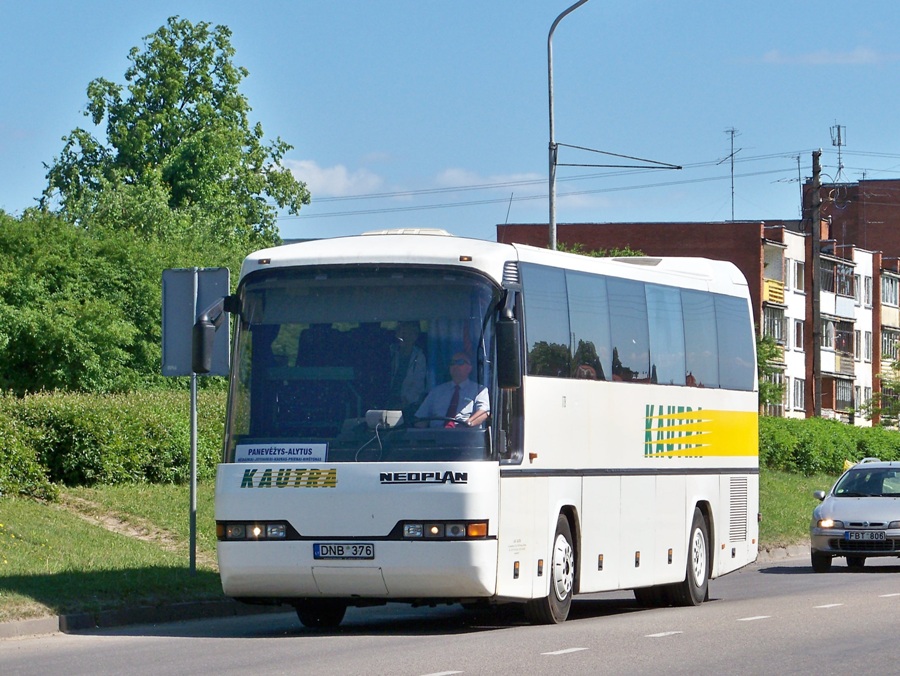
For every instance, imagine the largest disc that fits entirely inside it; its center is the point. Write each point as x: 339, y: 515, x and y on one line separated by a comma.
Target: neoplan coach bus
x: 615, y: 446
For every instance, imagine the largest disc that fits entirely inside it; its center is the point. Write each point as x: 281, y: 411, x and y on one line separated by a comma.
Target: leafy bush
x: 20, y: 471
x: 817, y: 445
x: 88, y: 439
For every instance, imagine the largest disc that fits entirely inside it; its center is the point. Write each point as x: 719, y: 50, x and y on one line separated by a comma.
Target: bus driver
x: 459, y: 402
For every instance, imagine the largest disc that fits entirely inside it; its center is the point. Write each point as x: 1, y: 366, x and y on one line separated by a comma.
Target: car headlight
x: 830, y: 523
x: 894, y: 524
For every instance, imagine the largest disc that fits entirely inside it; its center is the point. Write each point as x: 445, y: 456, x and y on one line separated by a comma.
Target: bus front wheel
x: 321, y: 613
x: 694, y: 589
x: 554, y: 608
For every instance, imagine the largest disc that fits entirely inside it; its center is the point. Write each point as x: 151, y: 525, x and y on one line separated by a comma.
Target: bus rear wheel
x: 693, y: 590
x: 554, y: 608
x: 321, y: 613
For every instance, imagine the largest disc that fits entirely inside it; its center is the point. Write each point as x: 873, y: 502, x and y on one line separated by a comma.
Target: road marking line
x: 444, y: 673
x: 830, y: 605
x: 755, y: 617
x: 563, y: 652
x: 663, y: 633
x: 887, y: 596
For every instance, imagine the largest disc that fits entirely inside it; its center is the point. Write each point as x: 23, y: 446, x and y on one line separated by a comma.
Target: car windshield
x: 867, y: 482
x: 339, y: 364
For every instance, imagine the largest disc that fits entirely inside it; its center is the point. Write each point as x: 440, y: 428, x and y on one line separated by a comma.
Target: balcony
x: 773, y: 291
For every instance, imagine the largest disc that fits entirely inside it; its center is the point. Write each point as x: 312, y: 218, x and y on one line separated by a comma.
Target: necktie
x: 453, y: 408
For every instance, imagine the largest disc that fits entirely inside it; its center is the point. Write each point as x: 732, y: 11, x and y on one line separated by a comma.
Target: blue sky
x: 440, y: 108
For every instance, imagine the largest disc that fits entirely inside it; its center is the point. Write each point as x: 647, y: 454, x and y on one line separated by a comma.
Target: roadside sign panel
x: 186, y: 293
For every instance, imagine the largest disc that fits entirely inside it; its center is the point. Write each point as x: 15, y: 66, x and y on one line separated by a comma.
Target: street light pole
x: 553, y: 146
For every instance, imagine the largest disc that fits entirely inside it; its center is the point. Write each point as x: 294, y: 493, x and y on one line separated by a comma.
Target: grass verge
x: 117, y: 546
x: 104, y: 548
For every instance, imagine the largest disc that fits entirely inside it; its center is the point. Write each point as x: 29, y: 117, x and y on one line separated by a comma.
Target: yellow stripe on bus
x: 703, y: 433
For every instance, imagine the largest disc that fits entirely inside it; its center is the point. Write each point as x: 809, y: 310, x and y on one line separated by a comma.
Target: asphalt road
x: 776, y: 617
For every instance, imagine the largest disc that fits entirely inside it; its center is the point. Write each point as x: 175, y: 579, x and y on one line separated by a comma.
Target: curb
x: 781, y: 553
x: 195, y: 610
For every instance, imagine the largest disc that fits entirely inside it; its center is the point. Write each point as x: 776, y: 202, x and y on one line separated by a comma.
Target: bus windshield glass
x: 362, y: 364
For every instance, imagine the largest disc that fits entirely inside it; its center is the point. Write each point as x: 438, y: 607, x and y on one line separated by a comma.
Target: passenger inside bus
x: 459, y: 402
x: 408, y: 370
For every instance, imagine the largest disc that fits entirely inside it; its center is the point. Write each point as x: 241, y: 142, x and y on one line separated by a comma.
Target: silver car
x: 859, y: 517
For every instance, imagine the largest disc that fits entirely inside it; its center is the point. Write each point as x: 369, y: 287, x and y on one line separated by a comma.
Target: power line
x: 792, y: 156
x: 524, y: 198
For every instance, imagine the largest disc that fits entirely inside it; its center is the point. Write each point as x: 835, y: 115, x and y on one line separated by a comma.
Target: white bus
x: 615, y: 445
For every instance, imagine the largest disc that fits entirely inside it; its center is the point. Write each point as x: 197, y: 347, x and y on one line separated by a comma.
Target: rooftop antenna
x: 839, y: 139
x: 732, y: 132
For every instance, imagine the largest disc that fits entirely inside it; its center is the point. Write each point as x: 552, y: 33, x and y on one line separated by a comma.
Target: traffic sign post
x: 186, y: 293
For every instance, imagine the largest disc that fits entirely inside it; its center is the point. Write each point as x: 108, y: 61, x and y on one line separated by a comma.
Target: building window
x: 826, y: 276
x: 799, y: 394
x: 773, y: 323
x: 789, y: 267
x: 837, y: 336
x: 867, y: 396
x: 844, y: 280
x: 843, y: 395
x: 867, y: 291
x: 889, y: 340
x: 843, y: 337
x: 889, y: 291
x: 798, y: 334
x: 799, y: 276
x: 867, y: 346
x: 856, y: 286
x: 776, y: 409
x: 857, y: 347
x: 827, y: 338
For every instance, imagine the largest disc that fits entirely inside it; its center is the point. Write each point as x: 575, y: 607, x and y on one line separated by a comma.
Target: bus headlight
x: 446, y: 530
x: 227, y: 530
x: 413, y: 530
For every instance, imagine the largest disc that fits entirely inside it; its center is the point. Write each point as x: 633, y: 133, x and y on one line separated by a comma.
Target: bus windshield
x: 360, y: 364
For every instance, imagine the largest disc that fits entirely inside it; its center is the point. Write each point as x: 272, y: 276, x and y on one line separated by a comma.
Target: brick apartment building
x: 858, y: 282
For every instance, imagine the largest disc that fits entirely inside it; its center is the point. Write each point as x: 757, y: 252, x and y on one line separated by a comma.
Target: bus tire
x: 554, y: 608
x: 321, y: 613
x: 693, y: 590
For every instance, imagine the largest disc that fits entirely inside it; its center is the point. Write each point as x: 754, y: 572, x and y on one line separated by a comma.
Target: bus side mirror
x: 203, y: 337
x: 202, y: 342
x: 509, y: 354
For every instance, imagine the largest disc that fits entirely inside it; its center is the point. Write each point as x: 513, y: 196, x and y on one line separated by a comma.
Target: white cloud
x: 336, y: 181
x: 861, y: 56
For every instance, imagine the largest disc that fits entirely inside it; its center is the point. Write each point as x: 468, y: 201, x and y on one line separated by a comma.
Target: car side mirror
x: 819, y: 495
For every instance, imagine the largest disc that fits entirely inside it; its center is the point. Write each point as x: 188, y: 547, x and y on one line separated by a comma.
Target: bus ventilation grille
x: 737, y: 530
x: 510, y: 273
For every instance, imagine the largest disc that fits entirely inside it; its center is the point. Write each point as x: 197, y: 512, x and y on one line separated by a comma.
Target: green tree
x: 179, y: 154
x: 80, y: 309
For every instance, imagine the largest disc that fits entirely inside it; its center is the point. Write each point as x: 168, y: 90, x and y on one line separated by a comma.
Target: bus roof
x: 437, y: 247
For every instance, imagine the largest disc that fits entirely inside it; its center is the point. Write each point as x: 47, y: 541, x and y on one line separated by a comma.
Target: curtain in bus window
x: 701, y: 343
x: 666, y: 335
x: 547, y: 321
x: 736, y: 349
x: 589, y: 319
x: 628, y: 330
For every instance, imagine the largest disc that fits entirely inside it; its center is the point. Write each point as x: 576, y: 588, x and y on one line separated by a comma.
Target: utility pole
x: 815, y: 286
x: 554, y: 148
